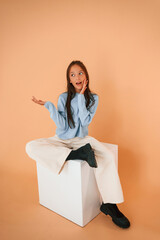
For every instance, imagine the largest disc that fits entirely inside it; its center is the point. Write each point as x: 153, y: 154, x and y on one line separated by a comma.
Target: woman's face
x: 77, y: 75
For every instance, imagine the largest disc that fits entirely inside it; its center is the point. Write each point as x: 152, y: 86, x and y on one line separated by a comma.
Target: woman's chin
x: 78, y: 87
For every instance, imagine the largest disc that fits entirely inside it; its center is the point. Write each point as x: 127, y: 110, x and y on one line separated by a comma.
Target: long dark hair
x: 71, y: 92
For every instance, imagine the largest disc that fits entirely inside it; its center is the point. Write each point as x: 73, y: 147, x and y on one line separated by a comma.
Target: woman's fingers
x: 84, y: 86
x: 86, y: 82
x: 38, y: 101
x: 33, y: 99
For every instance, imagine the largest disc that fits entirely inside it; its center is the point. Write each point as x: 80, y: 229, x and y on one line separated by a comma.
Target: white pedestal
x: 73, y: 193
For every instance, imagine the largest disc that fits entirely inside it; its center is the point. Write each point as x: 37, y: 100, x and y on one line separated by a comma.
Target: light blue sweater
x: 81, y: 116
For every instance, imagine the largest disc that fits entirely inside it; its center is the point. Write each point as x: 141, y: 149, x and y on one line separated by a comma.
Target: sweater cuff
x: 46, y: 105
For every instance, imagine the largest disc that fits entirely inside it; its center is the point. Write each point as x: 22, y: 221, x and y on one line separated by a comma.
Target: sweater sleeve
x: 85, y: 115
x: 57, y: 115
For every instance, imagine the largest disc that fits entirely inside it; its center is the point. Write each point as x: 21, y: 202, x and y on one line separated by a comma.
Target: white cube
x: 73, y: 193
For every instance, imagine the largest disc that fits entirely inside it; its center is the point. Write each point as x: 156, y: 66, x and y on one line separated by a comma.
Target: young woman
x: 75, y: 110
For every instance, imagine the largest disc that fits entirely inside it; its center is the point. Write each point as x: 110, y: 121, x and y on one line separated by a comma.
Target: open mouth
x: 78, y: 83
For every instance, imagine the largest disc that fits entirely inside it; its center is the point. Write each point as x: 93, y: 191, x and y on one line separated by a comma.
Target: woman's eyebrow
x: 79, y: 71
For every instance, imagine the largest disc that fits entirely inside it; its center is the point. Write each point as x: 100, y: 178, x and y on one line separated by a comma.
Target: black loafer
x: 117, y: 217
x: 91, y: 159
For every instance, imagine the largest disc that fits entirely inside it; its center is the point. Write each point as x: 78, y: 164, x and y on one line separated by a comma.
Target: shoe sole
x: 121, y: 226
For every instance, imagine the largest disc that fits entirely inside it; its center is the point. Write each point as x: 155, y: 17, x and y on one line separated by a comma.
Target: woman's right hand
x: 37, y: 101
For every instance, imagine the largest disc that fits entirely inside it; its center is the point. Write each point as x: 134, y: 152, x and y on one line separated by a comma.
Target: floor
x: 22, y: 217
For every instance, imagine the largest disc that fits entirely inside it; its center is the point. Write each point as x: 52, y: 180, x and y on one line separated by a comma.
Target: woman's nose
x: 77, y: 78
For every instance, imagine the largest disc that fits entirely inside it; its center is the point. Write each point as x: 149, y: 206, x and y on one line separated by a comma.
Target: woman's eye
x: 80, y: 73
x: 72, y: 75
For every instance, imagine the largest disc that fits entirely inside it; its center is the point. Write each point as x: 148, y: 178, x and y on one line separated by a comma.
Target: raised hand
x: 84, y: 86
x: 37, y: 101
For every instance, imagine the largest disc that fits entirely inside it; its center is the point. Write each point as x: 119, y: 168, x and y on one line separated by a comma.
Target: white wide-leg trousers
x: 53, y: 151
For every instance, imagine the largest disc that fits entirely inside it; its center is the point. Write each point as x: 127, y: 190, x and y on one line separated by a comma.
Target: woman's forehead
x: 76, y: 68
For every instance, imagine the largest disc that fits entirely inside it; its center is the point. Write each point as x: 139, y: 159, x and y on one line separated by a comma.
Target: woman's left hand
x: 84, y: 86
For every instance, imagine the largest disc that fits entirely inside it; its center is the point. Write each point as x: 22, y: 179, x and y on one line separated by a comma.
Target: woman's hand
x: 37, y: 101
x: 84, y: 86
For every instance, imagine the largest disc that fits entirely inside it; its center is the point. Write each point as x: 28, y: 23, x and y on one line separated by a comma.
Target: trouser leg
x: 106, y: 173
x: 50, y: 152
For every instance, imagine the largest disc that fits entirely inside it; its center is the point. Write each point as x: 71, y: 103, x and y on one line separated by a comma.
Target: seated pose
x: 75, y: 110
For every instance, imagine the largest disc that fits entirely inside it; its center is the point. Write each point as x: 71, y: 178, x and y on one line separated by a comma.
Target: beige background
x: 118, y: 41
